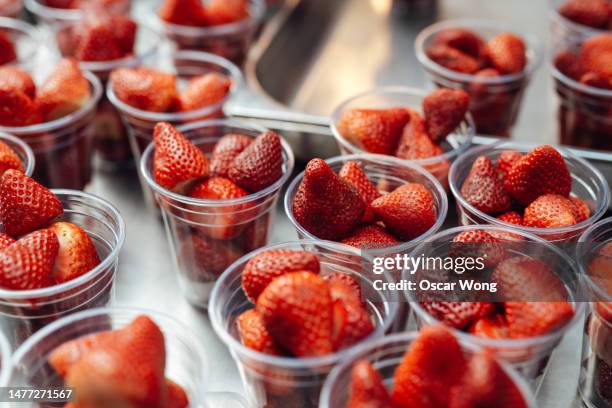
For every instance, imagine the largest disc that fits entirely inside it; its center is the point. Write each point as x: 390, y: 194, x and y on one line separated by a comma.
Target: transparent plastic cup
x: 279, y: 382
x: 596, y: 361
x: 566, y: 32
x: 494, y: 101
x: 64, y: 147
x: 22, y: 150
x: 186, y: 65
x: 186, y: 363
x: 230, y: 41
x: 529, y: 356
x: 26, y: 39
x: 6, y: 364
x: 23, y: 312
x: 399, y: 97
x: 588, y: 184
x: 11, y: 8
x: 52, y: 16
x: 385, y: 355
x: 206, y: 236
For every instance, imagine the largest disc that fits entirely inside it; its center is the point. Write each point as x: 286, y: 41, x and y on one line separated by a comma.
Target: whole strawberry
x: 461, y: 39
x: 453, y: 59
x: 260, y: 164
x: 77, y: 253
x: 354, y: 174
x: 371, y: 236
x: 596, y: 55
x: 483, y: 189
x: 144, y: 88
x: 507, y: 53
x: 367, y: 388
x: 550, y: 211
x: 505, y: 161
x: 444, y: 110
x: 203, y: 91
x: 183, y: 12
x: 254, y: 335
x: 592, y: 13
x: 225, y: 151
x: 415, y: 142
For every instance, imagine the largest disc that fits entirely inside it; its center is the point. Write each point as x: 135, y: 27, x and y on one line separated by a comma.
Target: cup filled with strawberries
x: 430, y: 130
x: 58, y: 253
x: 429, y: 368
x: 290, y: 312
x: 491, y: 62
x: 57, y: 12
x: 221, y: 27
x: 543, y: 190
x: 217, y: 183
x: 19, y: 42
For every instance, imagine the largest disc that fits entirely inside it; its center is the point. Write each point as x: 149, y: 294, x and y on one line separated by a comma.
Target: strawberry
x: 483, y: 189
x: 176, y: 160
x: 477, y: 243
x: 354, y: 322
x: 265, y: 266
x: 433, y: 365
x: 582, y: 212
x: 453, y: 59
x: 352, y: 173
x: 511, y: 217
x: 596, y: 55
x: 492, y: 327
x: 541, y: 171
x: 226, y: 11
x: 415, y: 142
x: 444, y: 110
x: 25, y: 205
x: 9, y: 159
x: 66, y: 355
x: 97, y: 42
x: 17, y: 109
x: 125, y: 33
x: 203, y: 259
x: 144, y: 88
x: 326, y: 205
x: 225, y: 151
x: 409, y: 211
x: 461, y: 39
x: 204, y: 90
x: 569, y: 65
x: 550, y: 211
x: 367, y: 388
x: 176, y: 396
x: 28, y: 263
x: 505, y: 161
x: 458, y: 314
x: 260, y: 164
x: 254, y: 335
x: 13, y: 77
x: 596, y: 80
x: 374, y: 130
x: 8, y: 53
x: 296, y: 308
x: 5, y: 240
x: 349, y: 281
x: 507, y: 53
x: 183, y: 12
x: 77, y: 252
x: 371, y: 236
x: 530, y: 319
x: 592, y: 13
x: 65, y: 91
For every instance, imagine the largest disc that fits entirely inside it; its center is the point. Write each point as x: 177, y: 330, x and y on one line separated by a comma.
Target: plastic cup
x: 23, y: 312
x: 529, y: 356
x: 63, y: 147
x: 186, y: 364
x: 596, y: 361
x: 565, y: 31
x: 394, y: 97
x: 273, y: 381
x: 22, y: 150
x: 230, y: 41
x: 6, y: 364
x: 26, y: 39
x: 587, y: 183
x: 53, y: 15
x: 206, y: 236
x: 385, y: 355
x: 494, y: 101
x: 11, y: 8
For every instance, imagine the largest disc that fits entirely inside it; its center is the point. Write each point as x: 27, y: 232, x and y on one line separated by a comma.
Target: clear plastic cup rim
x: 64, y: 120
x: 200, y: 56
x: 579, y: 307
x: 534, y: 51
x: 603, y: 202
x: 30, y: 159
x: 112, y: 256
x: 6, y: 367
x: 277, y: 185
x: 17, y: 5
x: 577, y: 86
x: 410, y: 337
x: 55, y: 13
x: 389, y: 160
x: 27, y: 30
x: 258, y: 9
x: 592, y: 285
x: 398, y: 90
x: 286, y: 362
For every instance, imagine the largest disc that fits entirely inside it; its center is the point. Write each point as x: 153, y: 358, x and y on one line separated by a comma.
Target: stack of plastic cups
x: 22, y: 150
x: 23, y: 312
x: 53, y: 16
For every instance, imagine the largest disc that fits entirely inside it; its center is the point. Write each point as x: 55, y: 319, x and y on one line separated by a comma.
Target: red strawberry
x: 13, y: 77
x: 125, y: 33
x: 492, y: 327
x: 9, y: 159
x: 203, y: 259
x: 5, y: 240
x: 569, y: 65
x: 354, y: 174
x: 478, y: 243
x: 507, y: 53
x: 367, y: 388
x: 541, y: 171
x: 415, y: 142
x: 77, y: 252
x: 260, y: 164
x: 596, y: 55
x: 596, y: 80
x: 226, y: 11
x: 550, y: 211
x: 324, y: 204
x: 8, y: 53
x: 444, y: 110
x: 254, y: 335
x: 453, y: 59
x: 225, y: 151
x: 354, y: 322
x: 183, y: 12
x: 582, y: 212
x: 176, y: 160
x: 374, y: 130
x: 458, y: 314
x: 371, y: 236
x: 203, y: 91
x: 529, y: 319
x: 461, y: 39
x: 483, y: 189
x: 17, y: 109
x: 264, y: 267
x: 296, y: 308
x: 28, y: 263
x: 176, y: 396
x: 505, y: 161
x: 511, y: 217
x: 97, y: 42
x: 144, y: 88
x: 592, y: 13
x: 65, y: 91
x: 409, y: 211
x: 429, y: 369
x: 349, y: 281
x: 25, y: 205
